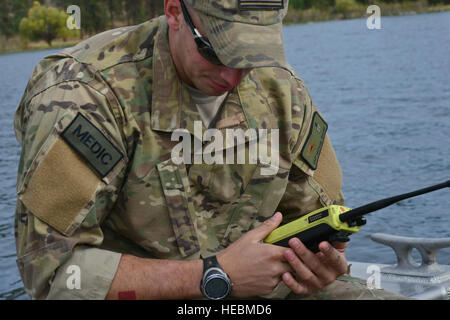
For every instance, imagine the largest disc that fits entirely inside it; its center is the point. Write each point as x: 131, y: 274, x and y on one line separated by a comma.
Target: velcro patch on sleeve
x: 92, y: 145
x: 328, y: 173
x: 258, y: 5
x: 61, y: 188
x: 313, y: 146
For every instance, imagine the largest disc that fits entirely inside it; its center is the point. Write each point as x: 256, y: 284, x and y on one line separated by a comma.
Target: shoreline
x: 294, y: 17
x: 41, y: 47
x: 387, y: 10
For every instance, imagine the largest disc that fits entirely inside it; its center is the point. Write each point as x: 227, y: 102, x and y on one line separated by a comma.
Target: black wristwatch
x: 215, y: 285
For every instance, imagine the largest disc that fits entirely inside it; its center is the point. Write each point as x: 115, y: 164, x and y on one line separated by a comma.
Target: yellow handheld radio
x: 335, y: 223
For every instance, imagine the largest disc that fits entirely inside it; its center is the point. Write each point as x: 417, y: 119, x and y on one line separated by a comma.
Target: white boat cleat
x: 427, y: 280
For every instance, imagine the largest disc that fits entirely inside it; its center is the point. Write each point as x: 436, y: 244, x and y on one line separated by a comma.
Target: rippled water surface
x: 385, y: 95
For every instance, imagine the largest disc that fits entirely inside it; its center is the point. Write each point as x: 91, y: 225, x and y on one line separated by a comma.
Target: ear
x: 172, y: 9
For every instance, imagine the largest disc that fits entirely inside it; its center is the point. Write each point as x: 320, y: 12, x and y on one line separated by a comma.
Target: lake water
x: 386, y: 97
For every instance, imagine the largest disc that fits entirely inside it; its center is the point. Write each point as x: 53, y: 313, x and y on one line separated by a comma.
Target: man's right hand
x: 255, y: 268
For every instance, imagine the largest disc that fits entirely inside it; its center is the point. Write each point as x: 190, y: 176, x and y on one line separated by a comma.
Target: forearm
x: 151, y: 279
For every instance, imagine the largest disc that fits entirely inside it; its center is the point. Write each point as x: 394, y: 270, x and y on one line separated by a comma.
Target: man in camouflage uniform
x: 98, y: 187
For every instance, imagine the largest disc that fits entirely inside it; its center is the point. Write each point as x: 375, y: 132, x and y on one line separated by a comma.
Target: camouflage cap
x: 244, y: 34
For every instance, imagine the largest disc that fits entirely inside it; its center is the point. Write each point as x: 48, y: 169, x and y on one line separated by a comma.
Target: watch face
x: 216, y: 288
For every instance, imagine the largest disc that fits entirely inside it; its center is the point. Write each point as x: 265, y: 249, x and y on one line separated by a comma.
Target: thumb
x: 267, y: 227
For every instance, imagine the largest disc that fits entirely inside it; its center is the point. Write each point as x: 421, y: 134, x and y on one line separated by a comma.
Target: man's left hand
x: 314, y: 271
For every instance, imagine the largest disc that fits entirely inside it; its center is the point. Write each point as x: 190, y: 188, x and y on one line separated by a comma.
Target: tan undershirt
x: 207, y: 106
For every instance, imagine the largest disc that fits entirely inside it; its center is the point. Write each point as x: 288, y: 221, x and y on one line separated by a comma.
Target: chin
x: 210, y: 91
x: 206, y: 86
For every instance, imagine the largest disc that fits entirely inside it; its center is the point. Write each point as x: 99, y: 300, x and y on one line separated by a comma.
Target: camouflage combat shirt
x: 96, y: 178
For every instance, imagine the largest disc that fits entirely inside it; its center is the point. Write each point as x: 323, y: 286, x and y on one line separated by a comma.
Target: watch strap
x: 208, y: 274
x: 210, y: 262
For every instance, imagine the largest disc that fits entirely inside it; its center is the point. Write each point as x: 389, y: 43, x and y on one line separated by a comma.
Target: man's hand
x: 314, y: 271
x: 255, y: 268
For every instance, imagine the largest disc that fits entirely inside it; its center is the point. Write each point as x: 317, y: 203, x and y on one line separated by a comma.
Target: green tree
x: 154, y: 8
x: 94, y: 17
x: 345, y: 6
x: 12, y: 11
x: 114, y: 9
x: 300, y: 4
x: 44, y: 23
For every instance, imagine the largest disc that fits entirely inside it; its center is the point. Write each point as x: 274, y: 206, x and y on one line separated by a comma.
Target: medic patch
x: 92, y: 145
x: 258, y: 5
x: 313, y: 146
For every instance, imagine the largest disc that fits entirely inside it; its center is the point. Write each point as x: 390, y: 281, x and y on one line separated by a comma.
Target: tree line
x: 325, y: 4
x: 96, y: 15
x: 100, y: 15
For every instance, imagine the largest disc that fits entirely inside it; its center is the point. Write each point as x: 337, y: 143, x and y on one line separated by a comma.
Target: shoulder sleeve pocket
x: 328, y: 174
x: 315, y: 156
x: 61, y: 183
x: 310, y: 142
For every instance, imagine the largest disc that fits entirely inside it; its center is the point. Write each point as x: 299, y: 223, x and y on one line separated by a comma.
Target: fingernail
x: 290, y: 255
x: 295, y: 243
x: 276, y: 216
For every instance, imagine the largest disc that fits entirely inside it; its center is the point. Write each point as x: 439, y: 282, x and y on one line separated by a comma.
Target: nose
x: 231, y: 76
